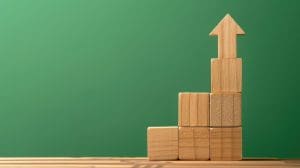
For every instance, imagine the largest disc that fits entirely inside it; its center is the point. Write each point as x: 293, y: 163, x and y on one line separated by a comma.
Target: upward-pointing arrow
x: 227, y: 30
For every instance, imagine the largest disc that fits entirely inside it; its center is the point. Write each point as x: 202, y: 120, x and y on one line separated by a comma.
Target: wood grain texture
x: 227, y: 30
x: 193, y: 109
x: 193, y: 143
x: 162, y: 143
x: 225, y: 109
x: 138, y: 162
x: 203, y: 109
x: 226, y: 75
x: 183, y: 109
x: 226, y: 143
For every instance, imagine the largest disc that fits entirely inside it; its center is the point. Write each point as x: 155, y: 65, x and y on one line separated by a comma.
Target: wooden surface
x: 141, y: 162
x: 162, y: 143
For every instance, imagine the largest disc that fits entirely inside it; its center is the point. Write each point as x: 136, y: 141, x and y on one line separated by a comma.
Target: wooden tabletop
x: 138, y: 162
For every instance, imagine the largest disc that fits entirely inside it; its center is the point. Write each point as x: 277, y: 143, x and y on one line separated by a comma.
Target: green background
x: 86, y: 78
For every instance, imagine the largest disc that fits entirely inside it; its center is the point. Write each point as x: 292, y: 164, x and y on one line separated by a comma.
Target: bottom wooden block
x: 162, y: 143
x: 193, y: 143
x: 226, y: 143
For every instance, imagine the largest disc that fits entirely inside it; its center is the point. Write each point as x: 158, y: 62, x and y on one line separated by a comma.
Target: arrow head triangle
x: 227, y: 23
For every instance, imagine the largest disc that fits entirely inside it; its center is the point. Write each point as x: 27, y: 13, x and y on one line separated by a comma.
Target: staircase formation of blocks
x: 209, y: 124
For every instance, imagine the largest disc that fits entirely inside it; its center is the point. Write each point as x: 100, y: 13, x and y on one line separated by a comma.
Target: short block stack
x: 209, y: 124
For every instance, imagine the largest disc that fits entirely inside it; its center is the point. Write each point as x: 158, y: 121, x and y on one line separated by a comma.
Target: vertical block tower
x: 209, y: 124
x: 225, y: 96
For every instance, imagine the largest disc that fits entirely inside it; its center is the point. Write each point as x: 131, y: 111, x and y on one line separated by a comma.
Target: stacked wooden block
x: 209, y: 124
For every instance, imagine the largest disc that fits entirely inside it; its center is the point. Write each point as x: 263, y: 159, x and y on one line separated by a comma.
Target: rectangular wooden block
x: 193, y: 143
x: 226, y: 75
x: 226, y: 143
x: 193, y: 109
x: 225, y: 109
x: 162, y: 143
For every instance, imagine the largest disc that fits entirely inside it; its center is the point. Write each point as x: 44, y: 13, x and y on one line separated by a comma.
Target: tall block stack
x: 209, y: 124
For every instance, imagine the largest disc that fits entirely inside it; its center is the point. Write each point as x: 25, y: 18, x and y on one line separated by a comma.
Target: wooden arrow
x: 227, y: 30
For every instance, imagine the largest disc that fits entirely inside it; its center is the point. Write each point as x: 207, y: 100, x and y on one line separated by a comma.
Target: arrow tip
x: 227, y: 21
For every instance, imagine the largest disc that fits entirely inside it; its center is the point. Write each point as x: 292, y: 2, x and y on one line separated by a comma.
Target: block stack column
x: 193, y: 126
x: 225, y: 97
x: 209, y: 124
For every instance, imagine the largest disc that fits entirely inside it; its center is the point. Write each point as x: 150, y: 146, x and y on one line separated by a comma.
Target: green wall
x: 86, y: 78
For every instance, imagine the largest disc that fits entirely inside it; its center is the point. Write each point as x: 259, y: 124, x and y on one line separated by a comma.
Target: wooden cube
x: 225, y: 109
x: 193, y: 109
x: 226, y: 75
x: 162, y: 143
x: 226, y: 143
x: 193, y: 143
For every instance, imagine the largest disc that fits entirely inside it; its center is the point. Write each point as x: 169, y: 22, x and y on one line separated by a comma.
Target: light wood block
x: 193, y: 143
x: 193, y: 109
x: 226, y: 75
x: 225, y: 109
x: 162, y: 143
x: 226, y: 143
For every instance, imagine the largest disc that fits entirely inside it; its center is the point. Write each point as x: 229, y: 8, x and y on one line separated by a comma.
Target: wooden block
x: 162, y: 143
x: 225, y: 109
x: 193, y: 109
x: 193, y: 143
x: 226, y: 75
x: 226, y: 143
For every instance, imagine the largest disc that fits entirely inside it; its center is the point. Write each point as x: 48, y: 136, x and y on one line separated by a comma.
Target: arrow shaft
x: 227, y: 45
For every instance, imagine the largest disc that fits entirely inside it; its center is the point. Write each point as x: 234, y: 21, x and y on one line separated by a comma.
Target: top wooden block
x: 226, y: 75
